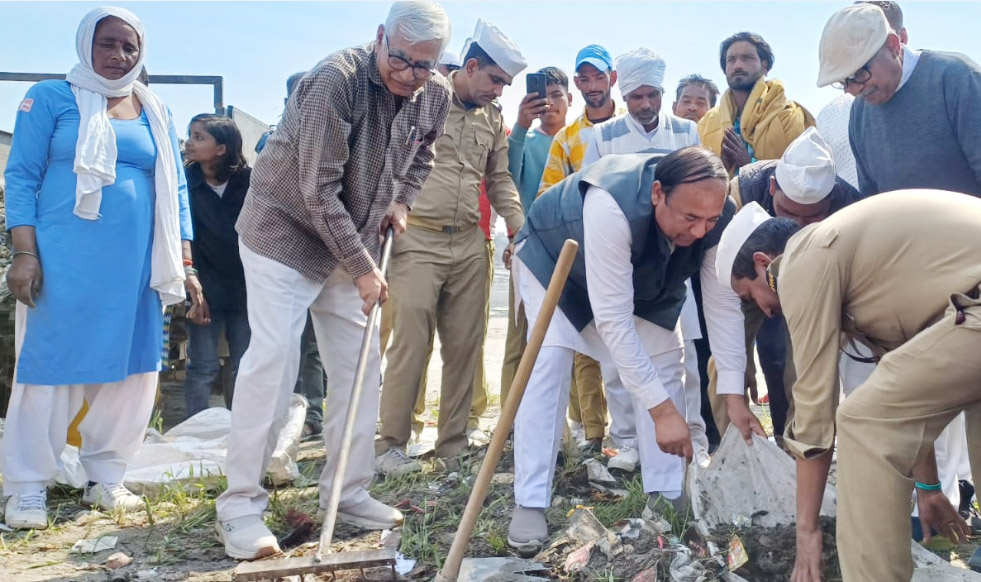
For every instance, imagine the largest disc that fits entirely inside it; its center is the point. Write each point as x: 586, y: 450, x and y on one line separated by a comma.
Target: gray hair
x: 419, y: 22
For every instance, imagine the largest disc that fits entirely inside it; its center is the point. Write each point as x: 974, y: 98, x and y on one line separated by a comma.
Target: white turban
x: 639, y: 67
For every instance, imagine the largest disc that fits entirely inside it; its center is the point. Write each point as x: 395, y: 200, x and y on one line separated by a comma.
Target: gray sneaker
x: 394, y: 463
x: 528, y: 531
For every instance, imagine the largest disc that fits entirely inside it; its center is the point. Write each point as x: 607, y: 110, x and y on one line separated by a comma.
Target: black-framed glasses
x: 400, y: 63
x: 860, y: 77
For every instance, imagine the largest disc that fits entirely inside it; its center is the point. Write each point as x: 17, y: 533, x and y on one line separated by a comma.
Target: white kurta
x: 646, y: 358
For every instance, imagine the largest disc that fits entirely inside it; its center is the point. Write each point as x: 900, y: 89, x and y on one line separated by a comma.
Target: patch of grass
x: 632, y: 505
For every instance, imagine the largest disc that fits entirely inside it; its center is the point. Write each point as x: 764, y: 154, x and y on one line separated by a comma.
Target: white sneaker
x: 110, y: 496
x: 578, y: 432
x: 626, y: 460
x: 370, y: 514
x: 394, y: 462
x: 27, y: 510
x: 247, y: 538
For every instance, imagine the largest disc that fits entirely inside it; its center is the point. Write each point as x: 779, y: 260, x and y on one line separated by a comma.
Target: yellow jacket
x: 769, y: 121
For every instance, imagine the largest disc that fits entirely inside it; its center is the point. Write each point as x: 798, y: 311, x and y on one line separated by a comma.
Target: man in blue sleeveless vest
x: 641, y: 237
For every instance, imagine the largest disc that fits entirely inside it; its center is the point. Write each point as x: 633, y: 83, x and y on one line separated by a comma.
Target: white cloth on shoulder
x: 95, y: 151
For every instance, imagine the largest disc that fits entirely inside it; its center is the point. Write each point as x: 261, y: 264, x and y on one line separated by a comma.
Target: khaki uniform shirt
x: 473, y: 147
x: 881, y: 271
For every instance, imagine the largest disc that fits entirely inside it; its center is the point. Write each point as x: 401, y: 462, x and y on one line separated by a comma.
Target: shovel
x: 451, y: 567
x: 324, y: 561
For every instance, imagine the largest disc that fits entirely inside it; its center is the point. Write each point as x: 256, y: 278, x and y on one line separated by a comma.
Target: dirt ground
x: 173, y: 537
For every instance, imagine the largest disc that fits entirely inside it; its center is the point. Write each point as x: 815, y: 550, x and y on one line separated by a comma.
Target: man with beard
x: 695, y: 96
x: 755, y: 120
x: 594, y: 78
x: 648, y: 129
x: 931, y: 95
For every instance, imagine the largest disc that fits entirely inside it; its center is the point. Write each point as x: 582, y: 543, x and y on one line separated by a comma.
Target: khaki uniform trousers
x: 754, y: 319
x: 480, y: 388
x: 438, y: 284
x: 889, y: 424
x: 587, y: 403
x: 515, y: 343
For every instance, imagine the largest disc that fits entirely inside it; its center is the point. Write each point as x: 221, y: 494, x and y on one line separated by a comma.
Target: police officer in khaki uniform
x: 900, y: 273
x: 439, y: 266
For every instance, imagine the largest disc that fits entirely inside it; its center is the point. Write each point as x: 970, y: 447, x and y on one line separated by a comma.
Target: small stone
x: 118, y: 560
x: 557, y: 501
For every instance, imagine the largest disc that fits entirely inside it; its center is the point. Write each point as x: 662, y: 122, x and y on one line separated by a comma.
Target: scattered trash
x: 578, y: 559
x: 94, y: 545
x: 496, y: 569
x: 648, y: 575
x: 149, y: 575
x: 117, y: 561
x: 6, y: 528
x: 736, y: 558
x: 598, y: 472
x: 403, y: 565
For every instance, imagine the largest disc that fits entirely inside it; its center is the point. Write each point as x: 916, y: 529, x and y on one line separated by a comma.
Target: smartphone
x: 536, y: 84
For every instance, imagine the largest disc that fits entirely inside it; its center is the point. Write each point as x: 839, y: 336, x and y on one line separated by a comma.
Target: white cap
x: 806, y: 172
x: 851, y: 37
x: 639, y: 67
x: 466, y: 49
x: 450, y: 59
x: 499, y: 47
x: 739, y: 229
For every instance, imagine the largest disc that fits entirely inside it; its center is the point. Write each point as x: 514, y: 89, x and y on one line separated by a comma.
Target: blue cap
x: 595, y: 55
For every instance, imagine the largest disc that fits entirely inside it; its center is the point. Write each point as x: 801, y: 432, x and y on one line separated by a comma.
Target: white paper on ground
x: 194, y: 451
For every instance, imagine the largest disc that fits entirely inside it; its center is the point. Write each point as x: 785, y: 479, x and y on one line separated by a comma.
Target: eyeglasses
x: 860, y: 77
x: 400, y: 63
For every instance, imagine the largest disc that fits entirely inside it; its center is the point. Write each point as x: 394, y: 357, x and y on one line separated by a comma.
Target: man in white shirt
x: 648, y: 128
x: 640, y: 239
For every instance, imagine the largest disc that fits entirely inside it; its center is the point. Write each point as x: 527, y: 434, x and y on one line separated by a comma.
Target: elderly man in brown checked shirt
x: 352, y: 152
x: 439, y: 267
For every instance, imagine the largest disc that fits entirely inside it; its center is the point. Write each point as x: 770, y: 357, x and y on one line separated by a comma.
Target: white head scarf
x: 639, y: 67
x: 95, y: 150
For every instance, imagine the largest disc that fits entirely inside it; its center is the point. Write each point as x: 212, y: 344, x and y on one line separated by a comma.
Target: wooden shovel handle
x: 451, y: 567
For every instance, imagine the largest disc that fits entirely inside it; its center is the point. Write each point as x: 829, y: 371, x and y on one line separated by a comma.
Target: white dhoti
x: 540, y: 418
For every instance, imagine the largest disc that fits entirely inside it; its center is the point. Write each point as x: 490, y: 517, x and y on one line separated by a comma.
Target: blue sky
x: 255, y: 46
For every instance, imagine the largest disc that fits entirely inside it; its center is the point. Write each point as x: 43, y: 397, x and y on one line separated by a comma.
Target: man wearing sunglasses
x: 439, y: 274
x: 915, y: 122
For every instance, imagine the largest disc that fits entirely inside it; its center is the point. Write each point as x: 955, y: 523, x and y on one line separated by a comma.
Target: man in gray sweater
x: 914, y: 123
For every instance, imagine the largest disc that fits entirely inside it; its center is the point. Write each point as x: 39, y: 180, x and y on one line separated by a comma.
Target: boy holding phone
x: 548, y: 100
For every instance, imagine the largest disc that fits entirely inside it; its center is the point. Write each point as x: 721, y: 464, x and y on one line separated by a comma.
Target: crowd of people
x: 721, y: 228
